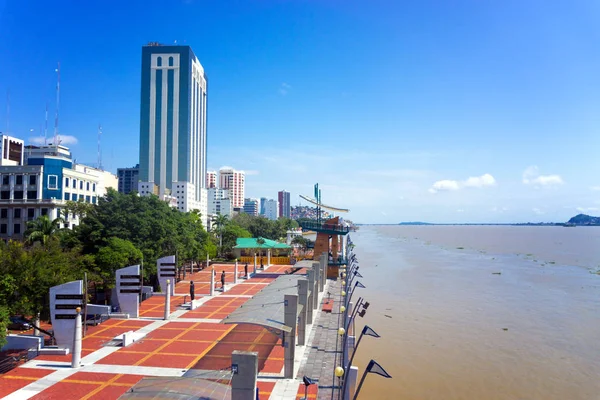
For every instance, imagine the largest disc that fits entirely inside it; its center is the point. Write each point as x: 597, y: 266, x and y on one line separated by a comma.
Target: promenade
x: 190, y: 343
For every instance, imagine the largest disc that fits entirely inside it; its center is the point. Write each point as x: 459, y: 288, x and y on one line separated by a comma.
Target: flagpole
x: 362, y: 380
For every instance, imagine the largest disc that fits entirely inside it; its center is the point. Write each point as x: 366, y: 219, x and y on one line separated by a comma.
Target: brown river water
x: 456, y: 329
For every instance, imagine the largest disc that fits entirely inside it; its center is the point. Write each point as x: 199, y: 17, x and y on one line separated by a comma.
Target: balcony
x: 323, y: 227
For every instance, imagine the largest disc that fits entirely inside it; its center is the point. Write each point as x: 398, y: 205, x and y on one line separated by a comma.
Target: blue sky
x: 462, y: 111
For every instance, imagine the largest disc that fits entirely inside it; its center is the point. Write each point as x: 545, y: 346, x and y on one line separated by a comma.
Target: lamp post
x: 366, y: 331
x: 375, y: 368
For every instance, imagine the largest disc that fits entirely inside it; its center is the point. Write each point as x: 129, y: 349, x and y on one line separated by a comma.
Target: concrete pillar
x: 255, y: 260
x: 235, y: 272
x: 323, y: 262
x: 243, y: 382
x: 303, y: 300
x: 207, y: 261
x: 349, y: 317
x: 352, y: 376
x: 76, y: 357
x: 269, y: 258
x: 317, y: 271
x: 311, y: 287
x: 350, y: 343
x: 290, y: 319
x: 168, y: 300
x: 212, y: 281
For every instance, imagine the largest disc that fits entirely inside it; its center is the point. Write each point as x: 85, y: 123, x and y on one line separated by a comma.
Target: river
x: 481, y: 312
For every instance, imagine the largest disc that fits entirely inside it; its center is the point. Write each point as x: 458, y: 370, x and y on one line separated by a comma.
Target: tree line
x: 121, y: 230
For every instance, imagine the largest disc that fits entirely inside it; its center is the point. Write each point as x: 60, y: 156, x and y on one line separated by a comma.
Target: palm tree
x: 220, y: 221
x: 259, y: 242
x: 42, y: 229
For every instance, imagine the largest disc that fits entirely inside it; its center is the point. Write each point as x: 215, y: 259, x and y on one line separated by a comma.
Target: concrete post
x: 317, y: 271
x: 352, y: 376
x: 303, y: 300
x: 269, y: 258
x: 235, y: 272
x: 323, y: 262
x: 243, y: 382
x: 76, y: 357
x: 290, y: 319
x: 212, y: 281
x: 350, y: 343
x: 207, y: 261
x: 255, y: 259
x: 168, y: 300
x: 349, y: 317
x: 311, y: 287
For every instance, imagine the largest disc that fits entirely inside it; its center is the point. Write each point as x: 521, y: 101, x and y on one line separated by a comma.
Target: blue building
x: 173, y: 126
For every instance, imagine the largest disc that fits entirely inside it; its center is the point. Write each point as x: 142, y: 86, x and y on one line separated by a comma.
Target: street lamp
x: 366, y: 331
x: 375, y: 368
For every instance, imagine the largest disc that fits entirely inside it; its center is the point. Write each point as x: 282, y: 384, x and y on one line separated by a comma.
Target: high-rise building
x: 263, y: 202
x: 128, y: 179
x: 173, y: 126
x: 233, y: 181
x: 272, y: 209
x: 211, y: 179
x: 251, y: 206
x: 284, y: 203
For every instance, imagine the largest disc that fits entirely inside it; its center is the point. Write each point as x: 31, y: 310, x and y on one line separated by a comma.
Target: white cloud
x: 595, y: 188
x: 586, y: 209
x: 537, y: 211
x: 284, y: 88
x: 473, y: 181
x: 460, y: 210
x: 63, y: 139
x: 251, y: 172
x: 531, y: 176
x: 444, y: 185
x: 480, y: 181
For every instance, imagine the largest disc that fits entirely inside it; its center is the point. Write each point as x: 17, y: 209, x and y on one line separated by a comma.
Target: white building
x: 43, y: 186
x: 271, y: 209
x: 234, y: 181
x: 219, y: 202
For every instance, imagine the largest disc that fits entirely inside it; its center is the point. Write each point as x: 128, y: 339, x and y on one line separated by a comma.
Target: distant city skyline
x: 461, y: 112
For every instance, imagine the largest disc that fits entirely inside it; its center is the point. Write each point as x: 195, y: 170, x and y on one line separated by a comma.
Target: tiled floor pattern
x: 170, y: 347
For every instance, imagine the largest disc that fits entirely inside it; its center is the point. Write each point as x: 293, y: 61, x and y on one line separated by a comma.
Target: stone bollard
x: 235, y: 272
x: 269, y: 258
x: 76, y: 357
x: 207, y: 261
x: 212, y: 282
x: 168, y: 300
x: 317, y: 275
x: 36, y: 332
x: 244, y: 365
x: 311, y: 287
x: 255, y: 256
x: 352, y: 376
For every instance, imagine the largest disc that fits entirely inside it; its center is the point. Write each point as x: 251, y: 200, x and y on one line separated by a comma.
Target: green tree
x: 118, y: 253
x: 42, y: 229
x: 220, y: 222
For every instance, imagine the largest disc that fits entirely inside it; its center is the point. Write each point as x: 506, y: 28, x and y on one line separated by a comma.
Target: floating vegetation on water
x: 552, y: 262
x: 528, y: 255
x: 496, y: 273
x: 460, y: 248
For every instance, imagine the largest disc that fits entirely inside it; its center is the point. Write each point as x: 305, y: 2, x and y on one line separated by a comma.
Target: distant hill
x: 414, y: 223
x: 583, y: 219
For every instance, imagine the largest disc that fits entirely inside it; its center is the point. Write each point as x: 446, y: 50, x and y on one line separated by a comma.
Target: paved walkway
x: 189, y: 342
x: 325, y: 348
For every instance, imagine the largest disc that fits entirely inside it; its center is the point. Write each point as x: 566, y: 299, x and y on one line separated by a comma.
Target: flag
x: 360, y: 285
x: 370, y: 332
x: 358, y: 274
x: 377, y: 369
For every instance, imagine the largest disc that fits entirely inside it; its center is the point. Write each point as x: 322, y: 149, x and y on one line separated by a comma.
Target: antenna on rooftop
x: 55, y: 141
x: 8, y: 111
x: 99, y: 150
x: 46, y: 127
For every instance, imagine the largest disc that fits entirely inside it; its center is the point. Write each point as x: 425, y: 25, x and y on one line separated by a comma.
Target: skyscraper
x: 173, y: 126
x: 234, y: 181
x: 128, y: 179
x: 284, y: 203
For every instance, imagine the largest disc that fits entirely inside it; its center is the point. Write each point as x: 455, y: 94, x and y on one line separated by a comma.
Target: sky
x: 437, y: 111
